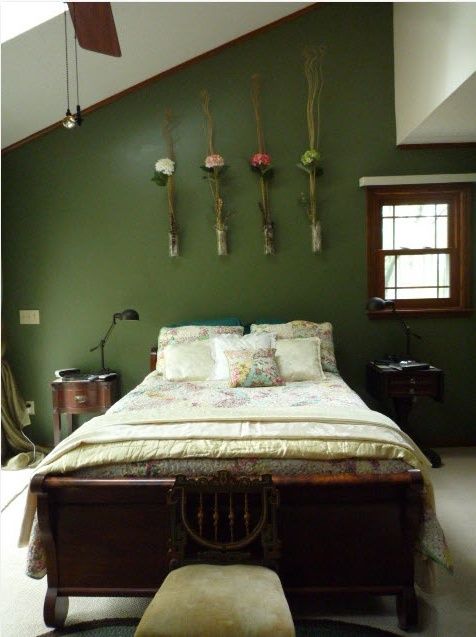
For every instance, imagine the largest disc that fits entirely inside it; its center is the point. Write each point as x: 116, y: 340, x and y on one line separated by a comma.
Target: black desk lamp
x: 126, y: 315
x: 377, y: 304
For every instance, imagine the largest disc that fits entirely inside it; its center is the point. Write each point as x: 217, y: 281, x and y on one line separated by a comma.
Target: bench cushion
x: 205, y: 600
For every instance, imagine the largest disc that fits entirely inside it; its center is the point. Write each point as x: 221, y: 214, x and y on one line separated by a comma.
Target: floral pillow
x: 305, y: 329
x: 188, y: 334
x: 253, y: 368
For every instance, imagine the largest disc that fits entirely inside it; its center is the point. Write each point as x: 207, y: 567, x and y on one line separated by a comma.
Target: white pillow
x: 299, y: 358
x: 188, y: 361
x: 220, y: 344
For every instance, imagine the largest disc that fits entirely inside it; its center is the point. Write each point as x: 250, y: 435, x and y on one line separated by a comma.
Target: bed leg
x: 55, y: 609
x: 407, y: 608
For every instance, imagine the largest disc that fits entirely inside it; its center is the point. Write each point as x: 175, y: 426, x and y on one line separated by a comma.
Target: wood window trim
x: 458, y: 196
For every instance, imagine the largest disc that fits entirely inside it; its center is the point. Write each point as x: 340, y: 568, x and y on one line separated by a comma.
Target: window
x: 418, y: 246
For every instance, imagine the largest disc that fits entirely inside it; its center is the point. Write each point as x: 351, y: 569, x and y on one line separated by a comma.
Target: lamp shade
x: 375, y: 304
x: 129, y: 315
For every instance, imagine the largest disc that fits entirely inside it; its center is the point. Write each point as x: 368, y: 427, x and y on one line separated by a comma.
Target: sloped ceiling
x: 157, y: 36
x: 154, y: 37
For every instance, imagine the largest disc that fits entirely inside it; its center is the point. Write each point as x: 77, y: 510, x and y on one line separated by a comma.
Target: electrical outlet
x: 29, y: 317
x: 30, y: 407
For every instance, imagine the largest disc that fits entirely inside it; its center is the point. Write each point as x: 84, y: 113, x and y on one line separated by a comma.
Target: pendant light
x: 70, y: 121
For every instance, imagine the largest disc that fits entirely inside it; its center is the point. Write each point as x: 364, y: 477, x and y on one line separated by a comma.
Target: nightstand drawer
x: 79, y: 396
x: 413, y: 385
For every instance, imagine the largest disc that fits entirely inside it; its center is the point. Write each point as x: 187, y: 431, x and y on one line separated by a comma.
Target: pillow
x: 220, y: 344
x: 299, y: 358
x: 253, y: 368
x: 189, y: 333
x: 229, y: 320
x: 188, y: 361
x: 305, y: 329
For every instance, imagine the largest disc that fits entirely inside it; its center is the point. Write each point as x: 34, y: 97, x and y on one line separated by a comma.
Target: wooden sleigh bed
x: 342, y: 533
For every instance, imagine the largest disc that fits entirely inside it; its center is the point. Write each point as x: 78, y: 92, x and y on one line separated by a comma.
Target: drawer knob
x: 413, y: 381
x: 80, y: 398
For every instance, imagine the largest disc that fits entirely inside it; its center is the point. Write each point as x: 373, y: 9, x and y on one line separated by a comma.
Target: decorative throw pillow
x: 188, y: 361
x: 189, y: 333
x: 253, y: 368
x: 299, y: 358
x: 219, y: 345
x: 305, y: 329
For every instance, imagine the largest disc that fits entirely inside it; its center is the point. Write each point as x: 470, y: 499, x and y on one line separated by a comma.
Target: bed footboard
x: 342, y: 533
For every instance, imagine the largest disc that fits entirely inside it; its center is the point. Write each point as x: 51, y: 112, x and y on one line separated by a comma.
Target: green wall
x: 85, y: 230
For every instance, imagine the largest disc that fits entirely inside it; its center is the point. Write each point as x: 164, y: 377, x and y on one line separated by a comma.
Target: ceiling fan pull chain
x: 79, y: 119
x: 66, y: 58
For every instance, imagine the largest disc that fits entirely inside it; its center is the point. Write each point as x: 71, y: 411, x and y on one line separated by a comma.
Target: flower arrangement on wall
x: 164, y: 177
x: 309, y: 161
x: 260, y: 163
x: 214, y: 166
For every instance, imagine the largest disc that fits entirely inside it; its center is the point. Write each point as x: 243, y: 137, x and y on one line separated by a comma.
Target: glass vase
x: 173, y: 244
x: 316, y: 237
x: 268, y: 236
x: 222, y: 246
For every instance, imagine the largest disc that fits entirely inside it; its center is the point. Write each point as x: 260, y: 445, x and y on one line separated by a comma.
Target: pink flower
x: 260, y: 159
x: 214, y: 161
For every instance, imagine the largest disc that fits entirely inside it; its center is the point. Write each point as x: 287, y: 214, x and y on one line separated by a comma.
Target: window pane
x: 444, y: 293
x: 417, y: 293
x: 444, y: 270
x: 387, y: 211
x: 441, y: 232
x: 390, y: 271
x: 387, y: 234
x: 417, y: 270
x: 414, y: 232
x: 442, y: 209
x: 415, y: 210
x: 390, y: 293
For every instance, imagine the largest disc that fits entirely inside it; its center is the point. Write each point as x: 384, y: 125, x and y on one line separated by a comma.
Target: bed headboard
x: 152, y: 358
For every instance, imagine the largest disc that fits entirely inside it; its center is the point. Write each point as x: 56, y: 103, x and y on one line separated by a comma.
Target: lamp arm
x: 102, y: 342
x: 408, y: 332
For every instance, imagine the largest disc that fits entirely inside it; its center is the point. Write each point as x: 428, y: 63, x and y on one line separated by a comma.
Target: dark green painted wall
x: 85, y: 230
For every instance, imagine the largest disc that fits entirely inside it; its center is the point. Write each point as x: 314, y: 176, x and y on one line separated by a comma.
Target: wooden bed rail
x: 48, y: 482
x: 153, y: 358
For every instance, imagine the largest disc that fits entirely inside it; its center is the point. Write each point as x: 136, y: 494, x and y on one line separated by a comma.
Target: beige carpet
x: 12, y: 483
x: 449, y: 612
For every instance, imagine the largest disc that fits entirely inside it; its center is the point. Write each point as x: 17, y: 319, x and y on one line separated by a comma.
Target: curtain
x: 18, y: 451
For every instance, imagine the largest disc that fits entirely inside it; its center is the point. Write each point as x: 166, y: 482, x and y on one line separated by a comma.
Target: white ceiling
x: 154, y: 37
x: 454, y: 118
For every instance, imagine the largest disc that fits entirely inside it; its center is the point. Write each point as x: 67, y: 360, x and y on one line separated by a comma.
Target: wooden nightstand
x: 404, y: 386
x: 78, y: 397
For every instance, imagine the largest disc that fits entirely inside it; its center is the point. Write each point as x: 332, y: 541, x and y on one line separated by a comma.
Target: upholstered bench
x: 207, y: 600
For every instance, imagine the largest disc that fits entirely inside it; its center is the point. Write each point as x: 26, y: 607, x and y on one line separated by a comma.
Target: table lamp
x: 377, y: 304
x: 125, y: 315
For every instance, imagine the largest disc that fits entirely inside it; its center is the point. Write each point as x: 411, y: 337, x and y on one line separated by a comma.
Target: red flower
x: 260, y: 159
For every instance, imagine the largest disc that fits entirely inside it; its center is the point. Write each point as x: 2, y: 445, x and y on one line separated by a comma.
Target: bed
x: 356, y: 501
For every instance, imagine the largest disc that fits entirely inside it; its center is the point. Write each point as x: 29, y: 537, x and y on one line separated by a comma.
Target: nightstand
x: 74, y: 397
x: 404, y: 386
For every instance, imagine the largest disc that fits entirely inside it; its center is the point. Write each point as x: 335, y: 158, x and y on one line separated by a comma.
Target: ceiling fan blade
x: 94, y: 27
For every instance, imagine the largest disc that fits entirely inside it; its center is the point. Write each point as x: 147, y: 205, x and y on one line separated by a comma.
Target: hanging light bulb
x: 70, y: 121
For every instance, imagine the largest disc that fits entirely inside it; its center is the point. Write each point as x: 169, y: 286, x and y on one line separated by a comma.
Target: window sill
x: 444, y: 312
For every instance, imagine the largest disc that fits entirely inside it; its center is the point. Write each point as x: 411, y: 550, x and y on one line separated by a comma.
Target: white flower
x: 165, y: 166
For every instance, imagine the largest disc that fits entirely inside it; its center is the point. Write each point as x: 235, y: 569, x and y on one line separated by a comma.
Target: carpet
x: 304, y: 628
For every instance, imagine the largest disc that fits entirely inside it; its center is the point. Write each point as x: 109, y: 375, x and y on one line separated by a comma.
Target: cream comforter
x: 305, y: 431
